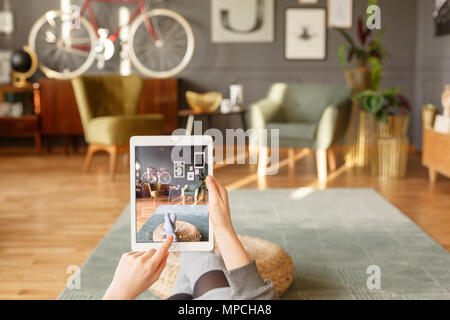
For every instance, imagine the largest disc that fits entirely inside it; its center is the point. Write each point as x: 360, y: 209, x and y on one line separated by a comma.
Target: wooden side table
x: 436, y: 153
x: 190, y: 114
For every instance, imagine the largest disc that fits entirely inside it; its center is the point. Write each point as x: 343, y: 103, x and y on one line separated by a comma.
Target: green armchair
x: 108, y: 106
x: 313, y: 116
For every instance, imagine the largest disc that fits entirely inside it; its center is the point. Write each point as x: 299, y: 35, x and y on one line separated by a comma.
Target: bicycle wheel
x: 165, y: 177
x: 63, y: 52
x: 168, y: 55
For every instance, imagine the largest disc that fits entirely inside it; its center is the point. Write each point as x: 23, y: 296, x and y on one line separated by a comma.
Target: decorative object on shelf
x: 305, y: 34
x: 76, y: 49
x: 5, y: 66
x: 236, y: 97
x: 445, y: 100
x: 340, y: 13
x: 362, y: 62
x: 429, y: 112
x: 391, y: 109
x: 225, y: 106
x: 242, y: 21
x: 203, y: 102
x: 442, y: 122
x: 441, y: 17
x: 6, y: 19
x: 24, y: 64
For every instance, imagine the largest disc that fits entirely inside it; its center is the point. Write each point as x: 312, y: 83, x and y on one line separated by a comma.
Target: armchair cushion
x: 118, y: 130
x: 295, y: 135
x: 306, y: 102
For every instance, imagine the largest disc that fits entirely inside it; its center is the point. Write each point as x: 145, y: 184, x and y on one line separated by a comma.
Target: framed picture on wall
x: 305, y: 34
x: 340, y: 13
x: 308, y: 1
x: 242, y: 21
x: 5, y: 66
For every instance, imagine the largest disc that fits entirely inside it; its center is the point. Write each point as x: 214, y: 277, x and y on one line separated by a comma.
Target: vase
x: 445, y: 99
x: 360, y: 139
x: 428, y: 117
x: 393, y: 144
x: 358, y: 79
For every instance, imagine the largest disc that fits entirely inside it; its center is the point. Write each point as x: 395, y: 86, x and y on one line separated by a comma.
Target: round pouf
x: 185, y: 232
x: 272, y: 261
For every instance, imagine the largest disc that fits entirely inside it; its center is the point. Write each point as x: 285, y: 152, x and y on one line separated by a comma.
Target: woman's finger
x: 149, y: 253
x: 139, y: 253
x: 222, y: 190
x: 213, y: 191
x: 161, y: 266
x: 161, y: 252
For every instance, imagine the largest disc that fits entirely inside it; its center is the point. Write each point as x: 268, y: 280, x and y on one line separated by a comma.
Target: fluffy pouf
x: 272, y: 261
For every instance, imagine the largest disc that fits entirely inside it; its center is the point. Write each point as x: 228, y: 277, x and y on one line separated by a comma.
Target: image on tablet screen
x: 171, y: 195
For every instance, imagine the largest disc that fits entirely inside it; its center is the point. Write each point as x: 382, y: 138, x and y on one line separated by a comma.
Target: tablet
x: 168, y: 192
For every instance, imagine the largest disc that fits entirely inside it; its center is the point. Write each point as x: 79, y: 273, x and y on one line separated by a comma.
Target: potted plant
x: 362, y: 58
x: 391, y: 109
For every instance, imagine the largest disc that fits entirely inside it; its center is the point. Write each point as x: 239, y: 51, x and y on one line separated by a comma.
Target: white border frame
x: 138, y: 141
x: 344, y: 25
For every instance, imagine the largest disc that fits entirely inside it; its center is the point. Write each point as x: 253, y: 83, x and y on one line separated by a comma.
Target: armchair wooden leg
x: 90, y: 152
x: 112, y: 150
x: 321, y: 163
x: 291, y: 158
x: 262, y: 160
x: 332, y: 159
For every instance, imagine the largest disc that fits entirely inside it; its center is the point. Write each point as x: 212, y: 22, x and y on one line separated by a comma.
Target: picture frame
x: 5, y: 66
x: 308, y: 1
x: 237, y: 21
x: 305, y: 34
x: 340, y: 14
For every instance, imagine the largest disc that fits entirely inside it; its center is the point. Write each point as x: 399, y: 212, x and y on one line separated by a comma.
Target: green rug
x: 332, y: 235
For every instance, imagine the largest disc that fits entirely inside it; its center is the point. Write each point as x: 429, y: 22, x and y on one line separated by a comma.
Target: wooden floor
x: 52, y: 215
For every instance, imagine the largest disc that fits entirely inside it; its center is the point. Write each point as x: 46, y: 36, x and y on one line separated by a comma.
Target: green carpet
x: 332, y: 235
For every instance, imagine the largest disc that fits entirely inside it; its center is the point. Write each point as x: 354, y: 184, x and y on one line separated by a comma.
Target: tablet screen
x: 171, y: 195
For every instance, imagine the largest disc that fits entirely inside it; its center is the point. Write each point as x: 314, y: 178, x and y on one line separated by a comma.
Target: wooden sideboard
x: 26, y: 125
x: 59, y: 111
x: 436, y: 153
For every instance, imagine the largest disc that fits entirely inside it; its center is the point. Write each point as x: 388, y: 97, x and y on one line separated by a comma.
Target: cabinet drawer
x: 18, y: 126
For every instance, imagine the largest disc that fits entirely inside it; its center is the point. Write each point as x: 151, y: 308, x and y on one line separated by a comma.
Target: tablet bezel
x: 142, y: 141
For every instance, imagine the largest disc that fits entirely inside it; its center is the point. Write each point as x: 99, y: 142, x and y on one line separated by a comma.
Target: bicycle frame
x: 140, y: 9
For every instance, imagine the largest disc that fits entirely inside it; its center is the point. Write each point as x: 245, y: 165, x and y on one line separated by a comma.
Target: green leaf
x: 342, y: 55
x: 346, y: 36
x: 376, y: 71
x: 391, y: 92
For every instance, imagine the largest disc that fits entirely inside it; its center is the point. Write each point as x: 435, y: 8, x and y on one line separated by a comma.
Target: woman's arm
x: 233, y: 253
x: 242, y: 274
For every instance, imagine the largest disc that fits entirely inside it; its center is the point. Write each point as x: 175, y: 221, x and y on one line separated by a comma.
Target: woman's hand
x: 218, y: 207
x: 137, y: 271
x: 233, y: 253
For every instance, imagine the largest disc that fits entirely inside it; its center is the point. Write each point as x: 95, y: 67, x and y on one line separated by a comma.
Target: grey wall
x: 161, y: 157
x: 256, y: 66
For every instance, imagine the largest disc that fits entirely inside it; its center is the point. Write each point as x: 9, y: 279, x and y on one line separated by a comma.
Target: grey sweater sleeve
x: 246, y: 284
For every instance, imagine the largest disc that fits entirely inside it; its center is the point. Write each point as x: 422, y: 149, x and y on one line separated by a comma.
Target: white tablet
x: 168, y: 192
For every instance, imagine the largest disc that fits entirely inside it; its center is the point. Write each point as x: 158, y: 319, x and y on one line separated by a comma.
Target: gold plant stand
x: 360, y: 139
x: 393, y: 144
